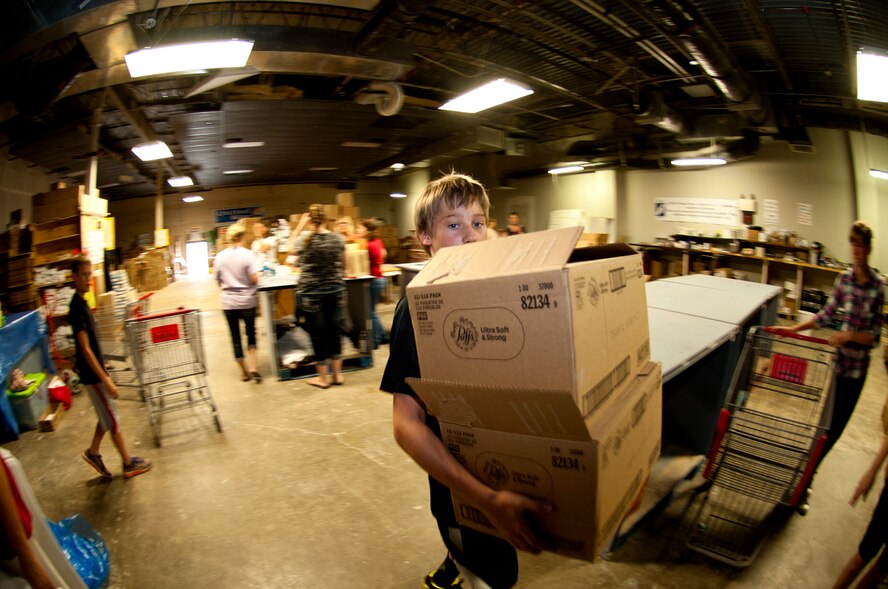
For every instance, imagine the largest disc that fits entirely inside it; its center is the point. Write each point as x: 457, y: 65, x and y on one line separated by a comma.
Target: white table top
x: 735, y: 306
x: 679, y: 340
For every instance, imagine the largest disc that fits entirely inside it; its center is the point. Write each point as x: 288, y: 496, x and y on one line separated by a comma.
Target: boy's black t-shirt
x: 81, y: 319
x: 403, y: 363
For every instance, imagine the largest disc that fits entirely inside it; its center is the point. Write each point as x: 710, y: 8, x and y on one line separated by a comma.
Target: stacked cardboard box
x: 536, y: 360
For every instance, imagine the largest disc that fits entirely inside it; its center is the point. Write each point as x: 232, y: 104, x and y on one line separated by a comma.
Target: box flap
x: 485, y: 259
x: 534, y: 412
x: 600, y: 252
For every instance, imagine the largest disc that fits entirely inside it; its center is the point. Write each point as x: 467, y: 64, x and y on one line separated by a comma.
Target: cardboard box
x: 353, y: 212
x: 345, y: 199
x: 532, y: 310
x: 537, y: 443
x: 51, y: 417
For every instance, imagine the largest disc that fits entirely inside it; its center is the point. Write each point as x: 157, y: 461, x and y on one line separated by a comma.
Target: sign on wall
x: 227, y: 216
x: 719, y: 211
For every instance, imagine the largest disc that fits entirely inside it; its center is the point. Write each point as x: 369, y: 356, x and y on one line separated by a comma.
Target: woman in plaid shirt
x: 860, y: 293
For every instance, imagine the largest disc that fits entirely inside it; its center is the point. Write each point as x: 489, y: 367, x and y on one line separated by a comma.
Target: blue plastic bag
x: 85, y: 548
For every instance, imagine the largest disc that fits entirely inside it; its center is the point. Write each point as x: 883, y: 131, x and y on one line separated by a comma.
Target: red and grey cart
x: 113, y: 341
x: 769, y: 439
x: 168, y: 354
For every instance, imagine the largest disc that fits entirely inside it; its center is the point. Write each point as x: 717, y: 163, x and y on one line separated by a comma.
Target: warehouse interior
x: 338, y: 104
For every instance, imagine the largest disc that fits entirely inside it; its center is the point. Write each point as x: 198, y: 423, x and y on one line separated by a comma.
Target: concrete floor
x: 306, y: 488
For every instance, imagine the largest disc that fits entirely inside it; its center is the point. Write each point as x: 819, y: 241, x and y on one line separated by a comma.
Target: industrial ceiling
x: 340, y: 90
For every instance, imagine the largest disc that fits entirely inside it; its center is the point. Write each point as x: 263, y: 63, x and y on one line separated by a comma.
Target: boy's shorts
x: 492, y: 559
x: 106, y: 408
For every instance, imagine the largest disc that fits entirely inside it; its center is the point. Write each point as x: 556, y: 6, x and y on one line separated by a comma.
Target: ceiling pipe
x: 655, y: 111
x: 705, y: 46
x: 388, y: 97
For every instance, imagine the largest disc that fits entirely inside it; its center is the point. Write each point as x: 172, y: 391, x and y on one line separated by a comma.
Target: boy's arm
x: 12, y: 536
x: 866, y: 481
x: 93, y: 362
x: 505, y: 509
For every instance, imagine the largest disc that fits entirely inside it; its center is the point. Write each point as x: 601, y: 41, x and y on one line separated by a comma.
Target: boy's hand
x: 111, y: 388
x: 863, y: 487
x: 506, y: 512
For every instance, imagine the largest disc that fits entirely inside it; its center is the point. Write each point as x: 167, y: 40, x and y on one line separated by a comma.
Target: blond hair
x: 452, y: 190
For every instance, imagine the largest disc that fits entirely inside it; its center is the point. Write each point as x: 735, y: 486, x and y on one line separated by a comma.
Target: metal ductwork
x: 705, y: 46
x: 388, y: 97
x: 655, y: 111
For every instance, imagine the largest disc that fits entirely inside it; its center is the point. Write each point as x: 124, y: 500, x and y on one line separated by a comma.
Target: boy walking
x: 453, y: 210
x: 90, y: 366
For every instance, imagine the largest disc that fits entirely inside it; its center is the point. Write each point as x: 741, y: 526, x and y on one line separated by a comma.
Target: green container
x: 29, y: 404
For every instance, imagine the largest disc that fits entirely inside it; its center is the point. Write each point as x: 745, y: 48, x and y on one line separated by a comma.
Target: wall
x: 136, y: 216
x: 18, y: 183
x: 871, y: 151
x: 824, y: 180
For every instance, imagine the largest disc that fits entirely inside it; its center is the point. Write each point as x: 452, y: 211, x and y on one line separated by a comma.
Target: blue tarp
x: 22, y: 332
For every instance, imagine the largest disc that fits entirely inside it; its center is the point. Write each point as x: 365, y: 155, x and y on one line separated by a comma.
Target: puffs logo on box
x: 491, y: 333
x: 522, y: 475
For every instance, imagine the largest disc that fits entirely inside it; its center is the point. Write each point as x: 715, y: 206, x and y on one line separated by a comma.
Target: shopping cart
x: 769, y: 439
x: 168, y: 355
x: 112, y: 339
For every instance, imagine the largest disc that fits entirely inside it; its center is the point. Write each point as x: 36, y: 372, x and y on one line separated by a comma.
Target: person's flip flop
x: 246, y: 378
x: 320, y: 386
x: 258, y: 377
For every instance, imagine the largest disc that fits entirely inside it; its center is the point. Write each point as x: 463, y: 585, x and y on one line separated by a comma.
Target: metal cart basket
x: 168, y: 356
x: 769, y: 439
x: 113, y: 341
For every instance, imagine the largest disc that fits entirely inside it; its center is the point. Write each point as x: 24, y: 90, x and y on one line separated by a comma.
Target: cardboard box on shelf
x: 537, y: 443
x: 345, y: 199
x: 532, y: 310
x: 332, y: 212
x: 66, y: 202
x: 353, y: 212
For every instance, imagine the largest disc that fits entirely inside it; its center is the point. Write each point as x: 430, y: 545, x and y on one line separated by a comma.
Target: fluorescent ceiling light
x: 236, y: 144
x: 154, y: 150
x: 187, y: 57
x: 322, y: 169
x: 872, y: 75
x: 180, y: 181
x: 699, y: 161
x: 234, y: 172
x: 487, y: 96
x: 398, y: 166
x: 360, y: 144
x: 398, y: 195
x: 565, y: 170
x: 192, y: 198
x: 881, y: 174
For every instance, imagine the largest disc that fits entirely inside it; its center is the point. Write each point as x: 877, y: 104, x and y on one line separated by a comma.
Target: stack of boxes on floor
x: 535, y: 359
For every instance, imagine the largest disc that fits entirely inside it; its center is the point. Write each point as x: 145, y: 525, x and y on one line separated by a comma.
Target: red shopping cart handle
x: 787, y: 333
x: 146, y: 295
x: 162, y: 314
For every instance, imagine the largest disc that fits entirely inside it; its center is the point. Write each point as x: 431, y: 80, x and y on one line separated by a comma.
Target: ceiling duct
x: 706, y: 47
x: 655, y: 111
x: 388, y: 97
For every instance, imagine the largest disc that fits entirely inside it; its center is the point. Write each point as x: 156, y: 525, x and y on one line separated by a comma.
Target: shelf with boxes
x: 781, y: 264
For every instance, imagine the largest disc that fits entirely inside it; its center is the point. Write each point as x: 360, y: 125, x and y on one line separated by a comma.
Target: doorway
x: 197, y: 258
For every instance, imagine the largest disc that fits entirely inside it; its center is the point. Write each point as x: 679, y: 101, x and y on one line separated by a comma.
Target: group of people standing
x: 319, y: 254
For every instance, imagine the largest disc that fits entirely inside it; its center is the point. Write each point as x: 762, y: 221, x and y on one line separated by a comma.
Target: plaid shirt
x: 862, y: 312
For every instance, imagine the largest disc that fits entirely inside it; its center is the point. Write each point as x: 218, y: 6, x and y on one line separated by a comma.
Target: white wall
x: 824, y: 180
x: 871, y: 151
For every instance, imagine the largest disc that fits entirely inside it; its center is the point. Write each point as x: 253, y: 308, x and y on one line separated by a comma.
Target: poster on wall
x: 771, y: 212
x: 718, y: 211
x: 805, y: 213
x: 228, y: 216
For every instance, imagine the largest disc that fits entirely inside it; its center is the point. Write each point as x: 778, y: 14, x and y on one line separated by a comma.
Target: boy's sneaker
x: 445, y: 576
x: 136, y: 467
x: 95, y: 461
